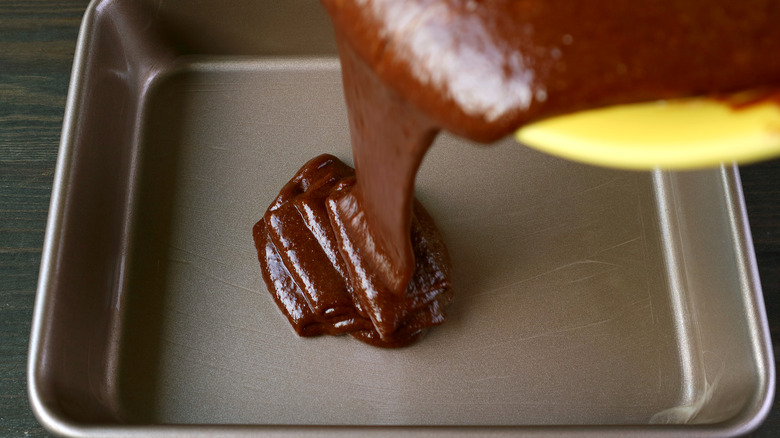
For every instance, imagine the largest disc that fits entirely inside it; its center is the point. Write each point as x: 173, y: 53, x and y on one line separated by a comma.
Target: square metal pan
x: 589, y: 301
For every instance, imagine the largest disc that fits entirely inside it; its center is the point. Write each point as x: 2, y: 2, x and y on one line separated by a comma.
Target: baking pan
x: 589, y: 301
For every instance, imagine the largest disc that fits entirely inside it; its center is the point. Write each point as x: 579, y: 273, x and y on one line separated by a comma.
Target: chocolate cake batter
x: 311, y: 262
x: 354, y: 253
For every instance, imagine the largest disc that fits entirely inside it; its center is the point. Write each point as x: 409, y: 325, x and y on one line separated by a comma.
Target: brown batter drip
x: 311, y: 265
x: 344, y: 254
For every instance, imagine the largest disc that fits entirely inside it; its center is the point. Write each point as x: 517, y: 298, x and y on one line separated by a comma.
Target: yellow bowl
x: 675, y: 134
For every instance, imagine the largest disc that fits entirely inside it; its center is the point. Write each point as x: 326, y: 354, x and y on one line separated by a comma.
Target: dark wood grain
x: 37, y: 41
x: 761, y: 185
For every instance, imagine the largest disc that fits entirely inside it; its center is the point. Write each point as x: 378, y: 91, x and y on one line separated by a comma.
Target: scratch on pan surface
x: 511, y: 286
x: 214, y: 277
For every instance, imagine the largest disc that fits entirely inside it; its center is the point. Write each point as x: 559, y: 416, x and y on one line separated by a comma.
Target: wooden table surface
x: 37, y: 41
